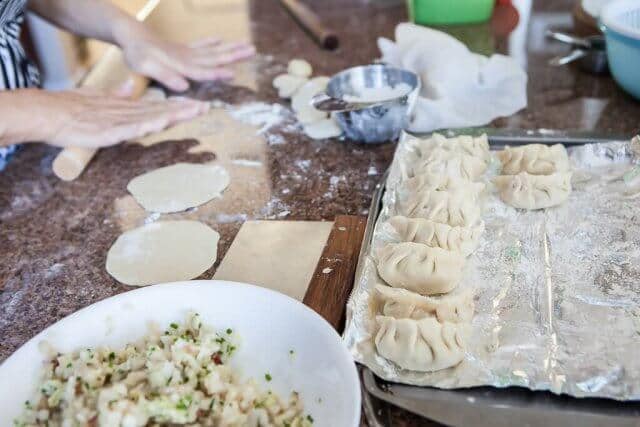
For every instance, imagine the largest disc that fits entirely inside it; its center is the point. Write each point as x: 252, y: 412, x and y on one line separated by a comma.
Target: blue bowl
x: 620, y: 22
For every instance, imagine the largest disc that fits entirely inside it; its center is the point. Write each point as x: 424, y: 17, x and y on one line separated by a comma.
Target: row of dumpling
x: 534, y: 176
x: 423, y: 315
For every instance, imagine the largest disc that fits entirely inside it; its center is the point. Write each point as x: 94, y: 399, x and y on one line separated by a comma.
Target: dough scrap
x: 526, y: 191
x: 424, y: 345
x: 420, y: 268
x: 536, y: 159
x: 455, y: 307
x: 300, y: 68
x: 163, y: 251
x: 288, y: 84
x: 323, y: 129
x: 178, y: 187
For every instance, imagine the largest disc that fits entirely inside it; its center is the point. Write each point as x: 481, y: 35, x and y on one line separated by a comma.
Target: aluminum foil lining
x: 557, y: 291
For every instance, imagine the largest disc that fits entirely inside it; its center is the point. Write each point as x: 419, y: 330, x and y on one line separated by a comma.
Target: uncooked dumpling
x: 440, y: 161
x: 455, y: 208
x: 526, y: 191
x: 300, y: 68
x: 288, y: 85
x: 536, y: 159
x: 408, y: 188
x: 455, y: 307
x: 323, y: 129
x: 464, y: 144
x: 178, y: 187
x: 437, y: 235
x: 420, y: 268
x: 163, y: 251
x: 424, y: 345
x: 301, y: 101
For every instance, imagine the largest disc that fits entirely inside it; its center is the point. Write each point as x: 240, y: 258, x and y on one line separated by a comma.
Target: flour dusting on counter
x: 259, y: 114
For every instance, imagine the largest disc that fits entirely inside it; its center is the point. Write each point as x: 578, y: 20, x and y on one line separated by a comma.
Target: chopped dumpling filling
x: 176, y: 377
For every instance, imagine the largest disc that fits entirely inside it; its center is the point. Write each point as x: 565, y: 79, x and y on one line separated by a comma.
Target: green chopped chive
x: 291, y: 352
x: 229, y: 331
x: 310, y: 419
x: 268, y: 377
x: 69, y: 365
x: 174, y: 325
x: 112, y: 356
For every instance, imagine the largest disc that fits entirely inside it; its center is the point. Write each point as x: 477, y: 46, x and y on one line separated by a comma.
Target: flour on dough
x: 178, y: 187
x: 164, y: 251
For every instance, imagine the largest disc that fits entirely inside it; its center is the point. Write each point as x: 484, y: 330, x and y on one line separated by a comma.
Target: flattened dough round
x: 322, y: 129
x: 163, y: 251
x: 178, y: 187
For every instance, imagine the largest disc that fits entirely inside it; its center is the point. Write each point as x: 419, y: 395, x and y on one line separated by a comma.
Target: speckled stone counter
x: 54, y: 235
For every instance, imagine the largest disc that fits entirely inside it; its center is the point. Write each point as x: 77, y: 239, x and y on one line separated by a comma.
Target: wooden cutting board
x: 332, y: 280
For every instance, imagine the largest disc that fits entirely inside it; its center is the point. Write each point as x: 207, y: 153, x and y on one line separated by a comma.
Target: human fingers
x: 210, y: 58
x: 187, y: 67
x: 207, y: 41
x: 132, y: 127
x: 165, y: 74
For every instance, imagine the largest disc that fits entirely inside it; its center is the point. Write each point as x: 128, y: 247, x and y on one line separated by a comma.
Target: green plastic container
x: 446, y: 12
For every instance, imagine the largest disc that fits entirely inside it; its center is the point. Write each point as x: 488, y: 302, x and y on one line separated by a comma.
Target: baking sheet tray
x: 557, y: 300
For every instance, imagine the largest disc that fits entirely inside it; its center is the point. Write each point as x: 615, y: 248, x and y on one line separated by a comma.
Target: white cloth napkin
x: 459, y: 88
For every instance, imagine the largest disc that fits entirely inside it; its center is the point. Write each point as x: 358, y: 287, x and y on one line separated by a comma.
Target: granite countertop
x: 54, y: 235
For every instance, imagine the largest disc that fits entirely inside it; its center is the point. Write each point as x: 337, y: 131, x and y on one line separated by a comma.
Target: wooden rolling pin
x: 312, y: 24
x: 110, y: 73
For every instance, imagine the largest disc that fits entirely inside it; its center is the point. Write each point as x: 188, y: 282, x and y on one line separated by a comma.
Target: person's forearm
x: 16, y: 124
x: 98, y: 19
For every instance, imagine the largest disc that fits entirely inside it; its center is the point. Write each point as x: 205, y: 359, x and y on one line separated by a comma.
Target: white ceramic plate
x: 267, y: 323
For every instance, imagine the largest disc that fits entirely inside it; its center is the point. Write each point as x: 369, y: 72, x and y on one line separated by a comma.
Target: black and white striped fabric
x: 16, y: 71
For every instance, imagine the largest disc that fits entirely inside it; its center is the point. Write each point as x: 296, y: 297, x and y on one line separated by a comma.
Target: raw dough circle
x: 288, y: 85
x: 301, y: 101
x: 299, y: 67
x: 164, y: 251
x: 178, y: 187
x: 322, y: 129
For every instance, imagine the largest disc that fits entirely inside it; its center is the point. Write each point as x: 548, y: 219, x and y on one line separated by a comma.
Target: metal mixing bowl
x: 374, y: 122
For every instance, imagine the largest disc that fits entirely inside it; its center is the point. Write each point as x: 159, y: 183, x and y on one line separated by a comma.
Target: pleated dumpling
x: 424, y: 182
x: 420, y: 268
x: 536, y: 159
x: 424, y: 345
x: 437, y: 235
x: 440, y: 161
x: 455, y: 208
x: 526, y: 191
x: 463, y: 144
x: 455, y: 307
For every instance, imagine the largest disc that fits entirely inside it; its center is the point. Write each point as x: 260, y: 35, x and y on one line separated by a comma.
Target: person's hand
x: 174, y: 64
x: 88, y: 117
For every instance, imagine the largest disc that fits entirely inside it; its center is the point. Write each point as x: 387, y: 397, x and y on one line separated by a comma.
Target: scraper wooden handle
x: 110, y: 73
